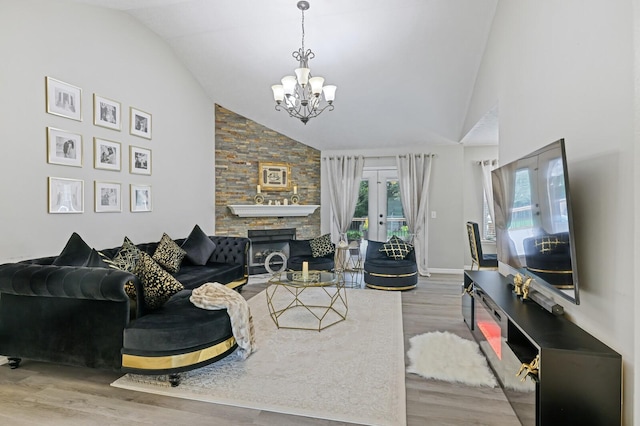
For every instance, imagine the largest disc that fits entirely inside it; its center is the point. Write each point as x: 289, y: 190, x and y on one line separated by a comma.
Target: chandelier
x: 301, y: 95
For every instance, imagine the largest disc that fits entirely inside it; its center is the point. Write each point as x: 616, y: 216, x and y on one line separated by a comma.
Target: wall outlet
x: 433, y: 214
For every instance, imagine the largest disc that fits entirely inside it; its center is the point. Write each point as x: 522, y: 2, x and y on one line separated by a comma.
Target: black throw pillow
x: 75, y: 253
x: 198, y: 246
x: 95, y: 260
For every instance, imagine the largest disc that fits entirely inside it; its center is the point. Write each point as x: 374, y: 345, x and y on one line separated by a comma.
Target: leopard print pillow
x: 322, y: 246
x: 157, y: 284
x: 168, y: 254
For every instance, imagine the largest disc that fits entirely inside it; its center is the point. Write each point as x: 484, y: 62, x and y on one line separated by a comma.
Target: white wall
x: 446, y: 246
x: 108, y: 53
x: 565, y: 69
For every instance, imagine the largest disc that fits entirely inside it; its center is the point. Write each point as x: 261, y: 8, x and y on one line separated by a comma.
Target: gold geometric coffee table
x: 314, y: 302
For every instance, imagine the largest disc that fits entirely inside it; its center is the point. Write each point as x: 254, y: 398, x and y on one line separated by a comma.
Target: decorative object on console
x: 259, y: 199
x: 295, y: 199
x: 274, y: 176
x: 63, y: 99
x: 106, y: 112
x: 301, y: 93
x: 526, y: 288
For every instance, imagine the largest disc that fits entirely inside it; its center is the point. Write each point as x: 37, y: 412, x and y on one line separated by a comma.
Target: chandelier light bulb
x: 289, y: 84
x: 316, y: 85
x: 329, y: 92
x: 303, y: 76
x: 278, y: 92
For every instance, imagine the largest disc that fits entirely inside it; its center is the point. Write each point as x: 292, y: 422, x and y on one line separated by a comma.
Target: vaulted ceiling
x: 405, y: 69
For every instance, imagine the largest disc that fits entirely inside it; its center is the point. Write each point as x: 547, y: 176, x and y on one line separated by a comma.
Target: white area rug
x: 446, y: 356
x: 352, y: 371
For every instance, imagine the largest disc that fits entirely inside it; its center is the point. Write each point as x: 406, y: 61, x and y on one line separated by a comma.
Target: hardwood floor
x: 48, y: 394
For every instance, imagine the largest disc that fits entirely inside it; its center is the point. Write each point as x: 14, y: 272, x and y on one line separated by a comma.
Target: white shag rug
x: 448, y: 357
x: 352, y: 371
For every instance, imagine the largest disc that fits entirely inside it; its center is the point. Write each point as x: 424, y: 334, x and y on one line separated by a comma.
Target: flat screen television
x: 533, y: 220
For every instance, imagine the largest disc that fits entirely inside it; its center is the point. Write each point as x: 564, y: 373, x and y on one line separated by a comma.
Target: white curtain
x: 414, y: 172
x: 343, y: 175
x: 487, y: 166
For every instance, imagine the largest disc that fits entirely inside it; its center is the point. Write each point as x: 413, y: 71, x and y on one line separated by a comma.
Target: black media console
x: 570, y: 377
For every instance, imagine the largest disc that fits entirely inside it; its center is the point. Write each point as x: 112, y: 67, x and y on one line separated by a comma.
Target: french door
x: 379, y: 212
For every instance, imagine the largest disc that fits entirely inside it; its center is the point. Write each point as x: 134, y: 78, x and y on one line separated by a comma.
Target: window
x: 488, y: 228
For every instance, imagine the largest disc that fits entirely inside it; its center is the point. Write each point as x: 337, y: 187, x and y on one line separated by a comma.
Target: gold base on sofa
x: 237, y: 283
x: 379, y: 287
x: 175, y: 361
x: 373, y: 274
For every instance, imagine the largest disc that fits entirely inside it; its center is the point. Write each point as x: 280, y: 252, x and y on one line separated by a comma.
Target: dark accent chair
x: 385, y: 273
x: 479, y: 258
x: 549, y: 257
x: 300, y: 251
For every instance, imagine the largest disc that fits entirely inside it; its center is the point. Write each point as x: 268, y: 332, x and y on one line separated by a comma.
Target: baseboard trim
x: 446, y: 271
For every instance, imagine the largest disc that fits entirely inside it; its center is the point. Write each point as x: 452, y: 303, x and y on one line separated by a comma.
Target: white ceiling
x: 405, y: 70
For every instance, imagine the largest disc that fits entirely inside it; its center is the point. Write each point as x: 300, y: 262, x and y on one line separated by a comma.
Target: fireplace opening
x: 267, y: 241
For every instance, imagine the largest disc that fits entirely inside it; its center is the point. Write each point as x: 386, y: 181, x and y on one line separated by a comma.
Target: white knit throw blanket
x: 213, y: 296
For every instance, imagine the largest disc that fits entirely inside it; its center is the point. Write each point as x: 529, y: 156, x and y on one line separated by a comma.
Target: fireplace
x: 267, y: 241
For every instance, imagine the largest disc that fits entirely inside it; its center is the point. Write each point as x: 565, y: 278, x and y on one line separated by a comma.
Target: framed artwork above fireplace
x: 274, y: 176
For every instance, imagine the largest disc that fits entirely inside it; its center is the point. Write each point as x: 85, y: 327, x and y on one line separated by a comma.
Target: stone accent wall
x: 240, y: 145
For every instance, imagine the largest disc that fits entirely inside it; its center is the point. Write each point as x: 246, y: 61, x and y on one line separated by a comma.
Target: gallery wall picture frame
x: 108, y: 197
x: 64, y: 148
x: 107, y: 154
x: 139, y: 160
x: 106, y: 112
x: 65, y: 195
x: 139, y: 123
x: 141, y: 200
x: 63, y: 99
x: 274, y: 176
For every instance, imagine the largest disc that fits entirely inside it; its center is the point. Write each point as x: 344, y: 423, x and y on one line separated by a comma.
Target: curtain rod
x: 381, y: 156
x: 487, y: 162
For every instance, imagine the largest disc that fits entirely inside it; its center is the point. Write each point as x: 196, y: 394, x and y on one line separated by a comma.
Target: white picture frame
x: 108, y: 197
x: 65, y: 195
x: 63, y: 99
x: 64, y: 148
x: 139, y: 123
x: 107, y: 154
x: 141, y: 200
x: 139, y: 160
x: 106, y: 112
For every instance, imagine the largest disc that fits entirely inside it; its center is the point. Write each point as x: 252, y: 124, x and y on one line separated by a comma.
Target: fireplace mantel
x: 262, y: 210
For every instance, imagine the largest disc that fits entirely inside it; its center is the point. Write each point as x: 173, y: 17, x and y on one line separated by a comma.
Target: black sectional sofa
x: 80, y: 315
